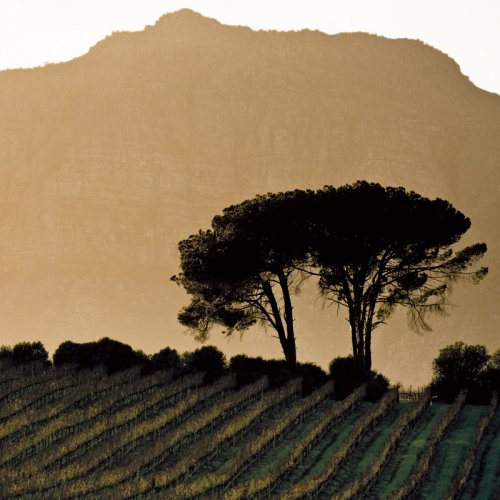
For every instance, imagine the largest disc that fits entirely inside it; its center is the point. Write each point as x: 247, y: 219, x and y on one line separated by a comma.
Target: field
x: 67, y: 434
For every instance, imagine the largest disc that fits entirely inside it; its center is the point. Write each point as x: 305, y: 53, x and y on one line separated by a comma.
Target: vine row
x: 363, y: 484
x: 314, y: 485
x: 263, y: 486
x: 414, y: 481
x: 160, y: 450
x: 463, y: 474
x: 78, y: 443
x: 214, y: 483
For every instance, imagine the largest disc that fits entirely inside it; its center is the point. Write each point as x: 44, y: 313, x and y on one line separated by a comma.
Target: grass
x: 485, y: 478
x: 366, y: 451
x: 222, y: 461
x: 278, y: 454
x: 450, y: 452
x: 406, y: 455
x: 322, y: 452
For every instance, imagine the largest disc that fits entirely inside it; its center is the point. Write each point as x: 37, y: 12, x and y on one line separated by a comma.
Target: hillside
x: 108, y: 160
x: 71, y: 434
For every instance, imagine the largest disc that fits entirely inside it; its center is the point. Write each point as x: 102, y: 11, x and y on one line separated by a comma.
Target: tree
x: 244, y: 269
x: 373, y: 248
x: 460, y: 366
x: 377, y: 248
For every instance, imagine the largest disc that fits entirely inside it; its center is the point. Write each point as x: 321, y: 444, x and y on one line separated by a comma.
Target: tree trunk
x: 368, y: 349
x: 287, y: 342
x: 290, y: 333
x: 291, y: 353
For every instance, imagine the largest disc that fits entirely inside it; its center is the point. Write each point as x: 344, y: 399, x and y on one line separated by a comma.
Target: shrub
x: 207, y: 359
x: 166, y: 359
x: 5, y: 357
x: 312, y: 375
x: 30, y: 352
x: 113, y: 355
x: 376, y: 387
x: 249, y: 369
x: 348, y: 375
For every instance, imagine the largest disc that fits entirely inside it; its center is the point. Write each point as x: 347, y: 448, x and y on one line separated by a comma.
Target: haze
x: 109, y: 160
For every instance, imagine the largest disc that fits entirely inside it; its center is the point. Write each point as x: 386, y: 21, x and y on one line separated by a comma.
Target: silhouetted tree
x: 243, y: 270
x: 373, y: 248
x: 30, y: 352
x: 460, y: 366
x: 379, y: 247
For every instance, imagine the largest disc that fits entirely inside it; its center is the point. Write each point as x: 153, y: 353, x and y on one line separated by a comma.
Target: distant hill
x: 108, y: 160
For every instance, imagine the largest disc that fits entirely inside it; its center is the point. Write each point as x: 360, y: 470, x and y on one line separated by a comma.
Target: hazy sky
x: 36, y: 31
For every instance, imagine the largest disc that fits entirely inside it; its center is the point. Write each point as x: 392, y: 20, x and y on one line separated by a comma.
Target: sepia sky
x: 33, y: 32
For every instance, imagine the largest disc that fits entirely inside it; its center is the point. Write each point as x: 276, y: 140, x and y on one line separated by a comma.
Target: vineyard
x: 68, y: 434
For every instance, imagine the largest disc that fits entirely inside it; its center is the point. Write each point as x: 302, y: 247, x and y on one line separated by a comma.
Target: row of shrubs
x: 457, y: 366
x: 115, y: 356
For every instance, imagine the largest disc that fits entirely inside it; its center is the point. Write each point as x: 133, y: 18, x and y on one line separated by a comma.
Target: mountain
x: 108, y: 160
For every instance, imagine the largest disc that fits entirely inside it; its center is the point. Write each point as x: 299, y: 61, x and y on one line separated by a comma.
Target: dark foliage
x: 5, y: 357
x: 490, y: 377
x: 374, y: 248
x: 244, y: 269
x: 207, y: 359
x: 348, y: 374
x: 312, y: 375
x: 30, y: 352
x: 378, y: 248
x: 166, y: 359
x: 249, y: 369
x: 464, y: 366
x: 376, y: 387
x: 113, y: 355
